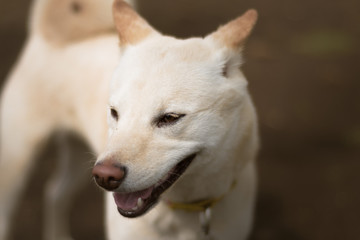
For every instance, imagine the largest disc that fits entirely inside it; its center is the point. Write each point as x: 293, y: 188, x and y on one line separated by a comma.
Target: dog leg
x: 23, y: 129
x: 60, y: 191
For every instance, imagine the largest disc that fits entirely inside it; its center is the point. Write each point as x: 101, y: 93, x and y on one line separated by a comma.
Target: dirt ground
x: 302, y: 63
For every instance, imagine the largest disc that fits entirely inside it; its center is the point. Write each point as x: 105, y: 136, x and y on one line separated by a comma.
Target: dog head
x: 65, y: 21
x: 172, y: 104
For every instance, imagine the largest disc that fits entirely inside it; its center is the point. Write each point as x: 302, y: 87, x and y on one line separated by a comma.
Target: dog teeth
x: 135, y: 208
x: 140, y: 202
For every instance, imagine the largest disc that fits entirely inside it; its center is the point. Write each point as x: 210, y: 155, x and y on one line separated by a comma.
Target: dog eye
x: 114, y: 114
x: 168, y: 119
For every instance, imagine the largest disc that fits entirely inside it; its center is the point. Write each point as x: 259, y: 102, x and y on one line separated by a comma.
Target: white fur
x: 63, y: 84
x: 57, y: 84
x: 162, y: 75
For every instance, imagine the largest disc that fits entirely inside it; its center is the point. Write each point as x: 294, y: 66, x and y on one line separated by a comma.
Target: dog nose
x: 108, y: 174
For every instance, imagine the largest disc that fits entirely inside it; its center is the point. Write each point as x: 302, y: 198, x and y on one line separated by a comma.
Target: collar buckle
x: 204, y: 208
x: 205, y: 219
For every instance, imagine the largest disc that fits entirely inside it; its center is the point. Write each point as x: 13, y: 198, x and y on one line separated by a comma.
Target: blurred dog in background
x: 59, y: 83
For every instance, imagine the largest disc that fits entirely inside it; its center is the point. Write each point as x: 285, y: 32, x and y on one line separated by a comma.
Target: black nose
x: 108, y: 174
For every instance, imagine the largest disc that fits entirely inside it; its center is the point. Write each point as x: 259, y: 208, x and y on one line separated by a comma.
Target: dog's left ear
x: 233, y: 34
x: 131, y: 27
x: 231, y: 38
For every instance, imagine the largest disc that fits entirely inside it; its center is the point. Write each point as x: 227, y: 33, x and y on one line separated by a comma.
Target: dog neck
x: 202, y: 205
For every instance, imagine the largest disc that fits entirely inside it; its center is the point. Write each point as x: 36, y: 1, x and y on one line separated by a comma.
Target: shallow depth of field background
x: 303, y: 67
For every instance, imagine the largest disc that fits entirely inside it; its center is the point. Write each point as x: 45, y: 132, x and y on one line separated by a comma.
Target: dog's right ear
x: 131, y: 27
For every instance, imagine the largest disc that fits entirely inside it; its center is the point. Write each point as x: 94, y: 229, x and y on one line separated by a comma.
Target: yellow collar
x: 200, y: 206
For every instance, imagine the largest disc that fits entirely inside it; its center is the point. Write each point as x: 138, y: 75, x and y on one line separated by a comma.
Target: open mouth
x: 135, y: 204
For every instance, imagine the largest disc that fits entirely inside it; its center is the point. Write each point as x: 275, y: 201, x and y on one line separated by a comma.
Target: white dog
x: 180, y: 131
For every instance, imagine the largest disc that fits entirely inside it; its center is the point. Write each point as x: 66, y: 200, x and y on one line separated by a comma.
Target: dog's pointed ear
x: 234, y: 33
x: 131, y: 27
x: 231, y: 37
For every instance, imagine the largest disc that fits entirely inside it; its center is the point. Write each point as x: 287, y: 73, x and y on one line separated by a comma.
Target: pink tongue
x: 127, y: 201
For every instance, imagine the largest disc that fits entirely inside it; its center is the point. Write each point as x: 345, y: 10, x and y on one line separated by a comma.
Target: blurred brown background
x: 303, y: 66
